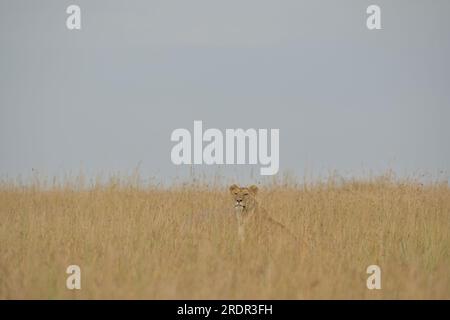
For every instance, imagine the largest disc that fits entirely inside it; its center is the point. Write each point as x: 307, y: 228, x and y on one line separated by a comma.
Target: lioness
x: 249, y: 213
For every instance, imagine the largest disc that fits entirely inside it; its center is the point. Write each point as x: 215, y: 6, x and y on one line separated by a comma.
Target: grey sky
x: 107, y: 97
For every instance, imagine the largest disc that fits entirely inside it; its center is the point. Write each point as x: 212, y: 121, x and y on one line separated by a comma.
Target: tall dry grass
x: 181, y: 242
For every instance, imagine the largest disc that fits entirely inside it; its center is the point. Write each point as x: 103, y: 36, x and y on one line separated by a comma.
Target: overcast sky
x: 107, y: 97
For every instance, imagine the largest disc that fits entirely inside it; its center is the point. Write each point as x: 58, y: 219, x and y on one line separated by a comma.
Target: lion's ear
x: 253, y: 189
x: 233, y: 187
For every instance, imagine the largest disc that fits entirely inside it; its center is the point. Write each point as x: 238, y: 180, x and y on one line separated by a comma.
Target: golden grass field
x: 163, y: 243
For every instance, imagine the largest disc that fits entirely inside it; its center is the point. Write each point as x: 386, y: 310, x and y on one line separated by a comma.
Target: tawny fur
x: 250, y: 214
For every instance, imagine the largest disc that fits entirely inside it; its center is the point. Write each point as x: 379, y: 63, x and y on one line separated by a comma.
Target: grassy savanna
x: 181, y: 242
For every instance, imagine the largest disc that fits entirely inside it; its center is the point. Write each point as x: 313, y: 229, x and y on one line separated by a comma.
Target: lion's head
x: 244, y: 198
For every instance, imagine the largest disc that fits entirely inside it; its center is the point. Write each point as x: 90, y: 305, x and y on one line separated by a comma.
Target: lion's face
x: 244, y: 198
